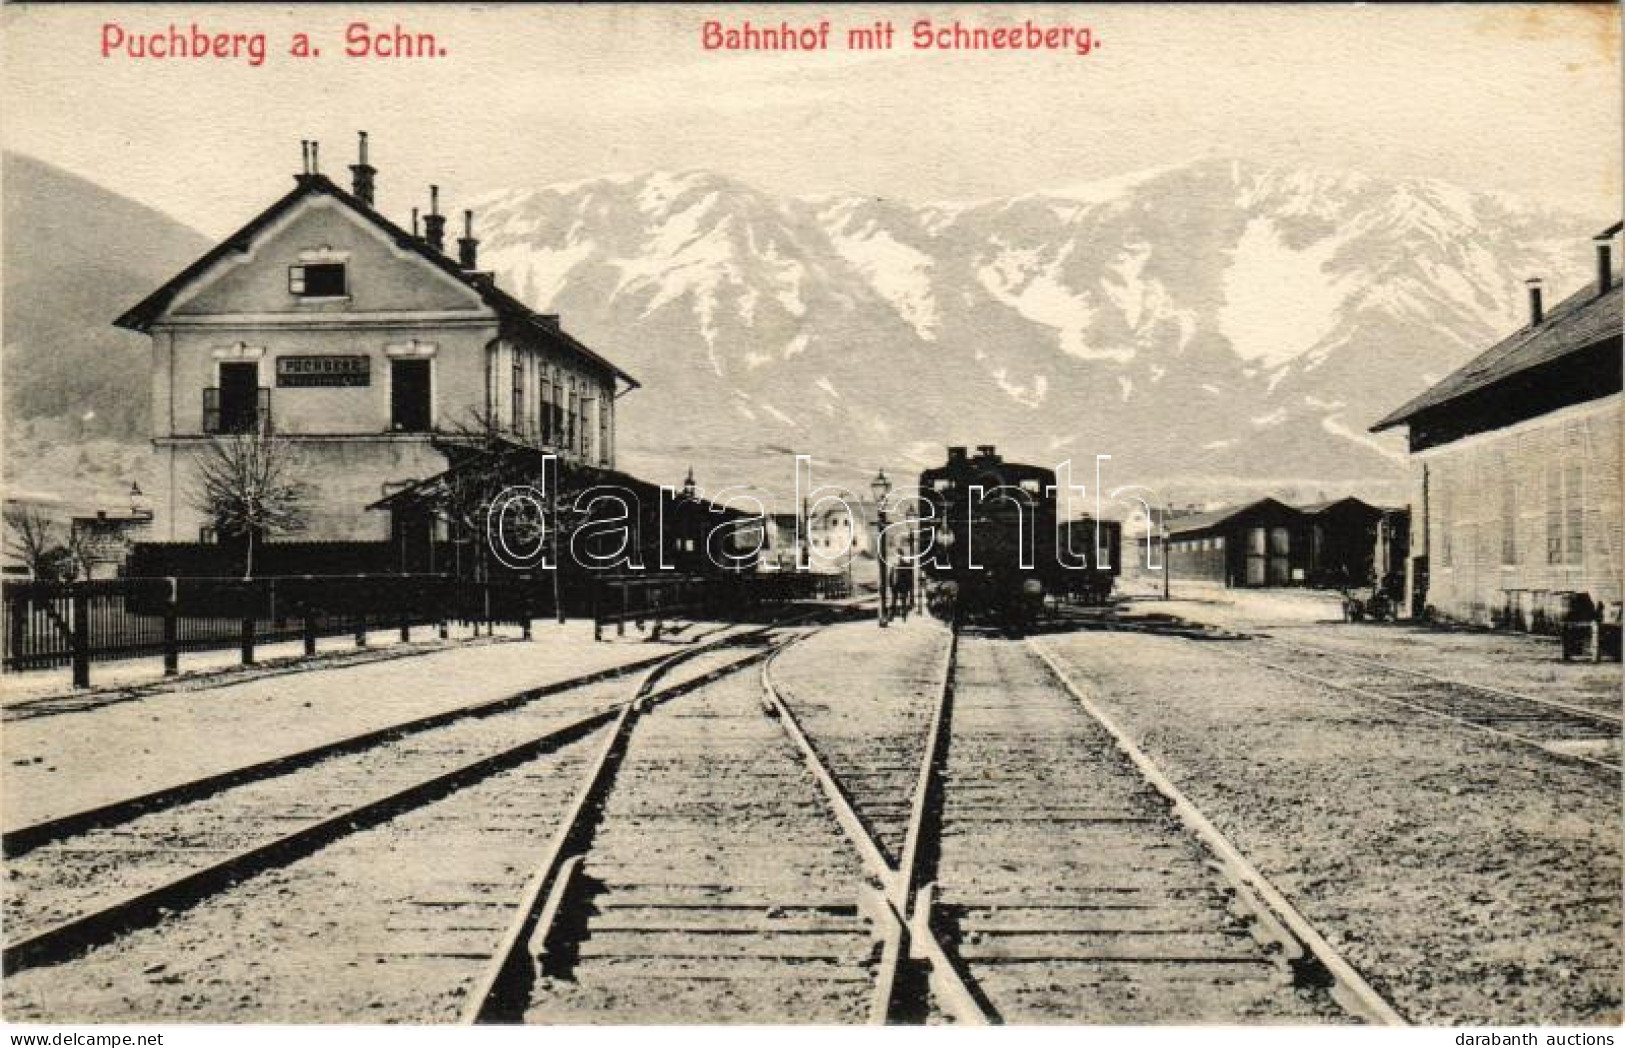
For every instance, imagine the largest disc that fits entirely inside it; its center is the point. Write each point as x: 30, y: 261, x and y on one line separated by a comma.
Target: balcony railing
x: 236, y: 418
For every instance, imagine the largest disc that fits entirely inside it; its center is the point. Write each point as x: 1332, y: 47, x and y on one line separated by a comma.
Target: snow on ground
x: 59, y: 764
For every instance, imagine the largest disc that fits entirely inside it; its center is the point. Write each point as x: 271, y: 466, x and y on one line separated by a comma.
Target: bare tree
x: 247, y: 485
x: 33, y: 537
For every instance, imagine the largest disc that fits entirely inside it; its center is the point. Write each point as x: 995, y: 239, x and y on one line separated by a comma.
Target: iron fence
x: 51, y: 624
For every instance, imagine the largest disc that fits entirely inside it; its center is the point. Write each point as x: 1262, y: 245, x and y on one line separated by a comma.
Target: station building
x: 368, y: 347
x: 1516, y: 503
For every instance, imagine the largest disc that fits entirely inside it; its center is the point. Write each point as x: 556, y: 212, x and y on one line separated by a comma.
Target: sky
x: 1519, y: 100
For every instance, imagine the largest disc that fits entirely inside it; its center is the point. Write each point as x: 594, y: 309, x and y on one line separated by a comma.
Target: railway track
x: 90, y: 880
x: 1072, y: 882
x: 1576, y: 732
x: 706, y: 872
x: 1573, y: 732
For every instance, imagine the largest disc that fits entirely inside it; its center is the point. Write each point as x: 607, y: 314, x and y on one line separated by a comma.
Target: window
x: 318, y: 280
x: 1573, y: 513
x: 547, y: 410
x: 234, y: 406
x: 1446, y: 524
x: 558, y: 409
x: 1554, y: 513
x: 1509, y: 516
x: 409, y: 396
x: 518, y: 393
x: 572, y: 419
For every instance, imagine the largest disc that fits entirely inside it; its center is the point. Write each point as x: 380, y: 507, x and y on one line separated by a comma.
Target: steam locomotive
x: 990, y: 543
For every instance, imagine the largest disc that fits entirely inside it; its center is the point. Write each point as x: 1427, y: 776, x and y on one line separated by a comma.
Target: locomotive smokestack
x: 1537, y: 311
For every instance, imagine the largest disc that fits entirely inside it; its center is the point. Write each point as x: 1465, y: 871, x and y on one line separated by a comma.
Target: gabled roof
x: 1213, y: 518
x: 141, y: 316
x: 1315, y: 509
x: 1579, y: 322
x: 573, y: 476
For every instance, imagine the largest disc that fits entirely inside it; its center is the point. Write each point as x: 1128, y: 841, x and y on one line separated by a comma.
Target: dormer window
x: 318, y: 280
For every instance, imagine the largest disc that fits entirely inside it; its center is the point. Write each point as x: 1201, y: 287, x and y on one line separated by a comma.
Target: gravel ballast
x: 1472, y: 881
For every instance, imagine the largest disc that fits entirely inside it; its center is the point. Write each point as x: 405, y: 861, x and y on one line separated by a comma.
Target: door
x: 414, y: 540
x: 409, y: 396
x: 239, y: 396
x: 1257, y: 556
x: 1280, y: 570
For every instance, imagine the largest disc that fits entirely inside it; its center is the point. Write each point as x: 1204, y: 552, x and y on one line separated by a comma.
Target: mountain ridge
x: 1202, y: 323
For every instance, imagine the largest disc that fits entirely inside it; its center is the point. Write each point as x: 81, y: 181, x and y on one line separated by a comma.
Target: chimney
x: 1605, y: 265
x: 304, y: 157
x: 467, y: 246
x: 1536, y: 312
x: 416, y: 233
x: 315, y: 162
x: 956, y: 454
x: 361, y: 183
x: 434, y: 223
x: 985, y: 451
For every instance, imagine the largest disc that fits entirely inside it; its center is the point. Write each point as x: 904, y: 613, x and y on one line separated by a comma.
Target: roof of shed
x: 1580, y: 321
x: 1213, y: 518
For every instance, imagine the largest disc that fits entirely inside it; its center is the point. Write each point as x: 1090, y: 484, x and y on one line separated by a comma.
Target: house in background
x: 103, y: 540
x: 368, y: 348
x: 1516, y: 466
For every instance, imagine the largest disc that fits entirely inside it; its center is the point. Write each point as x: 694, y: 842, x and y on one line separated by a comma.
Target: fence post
x: 81, y: 639
x: 309, y: 631
x: 172, y: 616
x: 21, y: 609
x: 248, y: 629
x: 485, y: 606
x: 597, y: 583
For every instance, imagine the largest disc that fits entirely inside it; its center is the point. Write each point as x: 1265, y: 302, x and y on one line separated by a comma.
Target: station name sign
x: 323, y: 371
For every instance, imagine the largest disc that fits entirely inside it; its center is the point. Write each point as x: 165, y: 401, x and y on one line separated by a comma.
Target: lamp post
x: 881, y: 487
x: 1167, y: 553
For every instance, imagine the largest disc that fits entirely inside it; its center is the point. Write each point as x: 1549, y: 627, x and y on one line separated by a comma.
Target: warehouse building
x: 1516, y: 466
x: 1262, y: 543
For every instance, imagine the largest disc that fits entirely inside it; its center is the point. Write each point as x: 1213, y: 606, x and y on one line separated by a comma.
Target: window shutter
x: 296, y: 280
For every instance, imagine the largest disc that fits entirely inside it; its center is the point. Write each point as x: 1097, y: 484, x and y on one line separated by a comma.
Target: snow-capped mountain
x: 1213, y: 320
